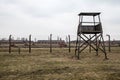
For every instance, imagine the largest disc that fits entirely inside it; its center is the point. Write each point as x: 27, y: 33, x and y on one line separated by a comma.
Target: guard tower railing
x: 92, y: 27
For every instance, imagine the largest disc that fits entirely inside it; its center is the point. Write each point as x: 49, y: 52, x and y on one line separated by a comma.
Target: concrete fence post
x: 10, y: 43
x: 29, y: 43
x: 109, y: 46
x: 50, y: 43
x: 69, y: 44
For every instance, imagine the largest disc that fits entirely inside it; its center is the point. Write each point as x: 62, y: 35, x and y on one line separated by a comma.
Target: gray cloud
x: 54, y: 16
x: 48, y: 8
x: 110, y: 2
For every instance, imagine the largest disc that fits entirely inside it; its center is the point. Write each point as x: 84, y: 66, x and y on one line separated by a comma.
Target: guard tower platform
x: 90, y: 33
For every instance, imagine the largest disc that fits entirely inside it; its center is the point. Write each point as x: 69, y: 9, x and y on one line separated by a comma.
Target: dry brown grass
x: 59, y: 65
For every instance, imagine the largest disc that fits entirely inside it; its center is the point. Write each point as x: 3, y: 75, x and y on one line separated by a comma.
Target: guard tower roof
x: 89, y: 13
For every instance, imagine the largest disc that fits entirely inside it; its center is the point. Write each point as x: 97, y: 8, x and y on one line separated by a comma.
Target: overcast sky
x: 59, y: 17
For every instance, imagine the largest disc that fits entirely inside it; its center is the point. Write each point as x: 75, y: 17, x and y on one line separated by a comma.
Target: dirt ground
x: 59, y: 65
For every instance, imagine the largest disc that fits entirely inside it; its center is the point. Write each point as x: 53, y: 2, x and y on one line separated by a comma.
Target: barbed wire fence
x: 46, y: 41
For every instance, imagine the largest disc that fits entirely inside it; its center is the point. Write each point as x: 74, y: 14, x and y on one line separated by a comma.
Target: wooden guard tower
x: 90, y: 33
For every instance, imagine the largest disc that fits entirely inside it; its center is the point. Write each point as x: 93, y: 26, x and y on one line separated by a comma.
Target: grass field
x: 59, y: 65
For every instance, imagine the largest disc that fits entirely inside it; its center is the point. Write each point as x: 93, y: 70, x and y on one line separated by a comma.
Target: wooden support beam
x: 90, y: 44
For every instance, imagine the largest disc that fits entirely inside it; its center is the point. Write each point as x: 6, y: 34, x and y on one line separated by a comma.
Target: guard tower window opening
x: 89, y: 20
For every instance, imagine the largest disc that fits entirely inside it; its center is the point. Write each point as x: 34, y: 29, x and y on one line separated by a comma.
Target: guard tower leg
x: 96, y: 45
x: 104, y: 47
x: 79, y: 43
x: 76, y: 48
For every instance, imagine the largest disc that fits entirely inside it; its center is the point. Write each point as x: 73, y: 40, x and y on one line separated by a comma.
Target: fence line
x: 52, y: 41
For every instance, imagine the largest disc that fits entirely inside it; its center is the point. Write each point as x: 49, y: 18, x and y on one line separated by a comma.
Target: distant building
x: 115, y: 42
x: 4, y: 42
x: 48, y: 41
x: 60, y: 43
